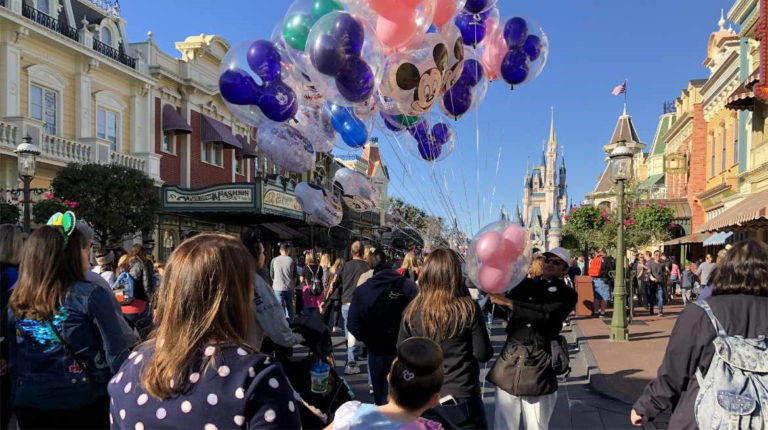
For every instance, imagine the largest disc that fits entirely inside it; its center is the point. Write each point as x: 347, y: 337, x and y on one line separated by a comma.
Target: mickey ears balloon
x: 469, y: 90
x: 527, y: 50
x: 251, y: 82
x: 433, y: 140
x: 499, y: 257
x: 346, y: 59
x: 320, y: 204
x: 352, y: 129
x: 294, y: 30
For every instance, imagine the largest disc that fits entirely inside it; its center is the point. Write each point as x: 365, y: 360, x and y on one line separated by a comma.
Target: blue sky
x: 658, y: 45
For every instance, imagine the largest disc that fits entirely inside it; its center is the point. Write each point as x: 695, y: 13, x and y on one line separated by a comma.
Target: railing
x: 65, y: 150
x: 9, y: 135
x: 106, y: 50
x: 2, y: 3
x: 128, y: 161
x: 49, y: 22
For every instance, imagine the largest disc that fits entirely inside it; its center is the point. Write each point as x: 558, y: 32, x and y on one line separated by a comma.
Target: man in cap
x: 538, y: 308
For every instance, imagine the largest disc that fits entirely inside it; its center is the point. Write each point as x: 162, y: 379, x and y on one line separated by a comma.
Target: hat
x: 150, y: 243
x: 561, y: 253
x: 107, y: 258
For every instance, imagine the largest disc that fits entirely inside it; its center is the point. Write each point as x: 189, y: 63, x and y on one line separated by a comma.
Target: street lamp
x: 621, y: 167
x: 26, y: 154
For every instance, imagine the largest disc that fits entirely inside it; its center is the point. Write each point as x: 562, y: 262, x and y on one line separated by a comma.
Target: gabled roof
x: 604, y: 184
x: 625, y: 130
x: 665, y: 123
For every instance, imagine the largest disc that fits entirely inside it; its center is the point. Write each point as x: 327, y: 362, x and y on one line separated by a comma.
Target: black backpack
x: 381, y: 324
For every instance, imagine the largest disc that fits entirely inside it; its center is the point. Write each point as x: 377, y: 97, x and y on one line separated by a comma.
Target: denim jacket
x: 90, y: 326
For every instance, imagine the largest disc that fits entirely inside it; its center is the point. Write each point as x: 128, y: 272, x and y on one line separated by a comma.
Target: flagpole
x: 626, y: 91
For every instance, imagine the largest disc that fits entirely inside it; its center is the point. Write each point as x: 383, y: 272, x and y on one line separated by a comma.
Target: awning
x: 245, y: 150
x: 718, y: 238
x: 750, y: 213
x: 282, y: 231
x: 691, y: 238
x: 173, y: 122
x: 216, y: 131
x: 743, y: 98
x: 651, y: 181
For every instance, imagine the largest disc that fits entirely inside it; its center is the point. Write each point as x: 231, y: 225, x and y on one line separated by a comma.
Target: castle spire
x: 552, y: 139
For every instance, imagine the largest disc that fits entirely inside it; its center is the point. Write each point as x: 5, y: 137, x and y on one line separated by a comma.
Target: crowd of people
x: 201, y: 342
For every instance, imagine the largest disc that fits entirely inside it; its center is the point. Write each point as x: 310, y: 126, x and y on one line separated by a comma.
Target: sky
x: 657, y: 45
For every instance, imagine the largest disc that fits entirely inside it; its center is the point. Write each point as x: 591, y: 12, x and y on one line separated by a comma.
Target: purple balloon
x: 278, y: 101
x: 441, y: 133
x: 532, y: 47
x: 472, y: 72
x: 239, y: 88
x: 429, y: 151
x: 476, y: 6
x: 391, y: 122
x: 420, y: 132
x: 458, y: 99
x: 515, y: 32
x: 355, y: 80
x: 472, y: 28
x: 515, y: 67
x: 324, y: 55
x: 349, y: 33
x: 264, y: 59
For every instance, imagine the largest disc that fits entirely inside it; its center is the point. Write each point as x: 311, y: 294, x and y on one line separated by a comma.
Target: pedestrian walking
x: 675, y: 276
x: 737, y: 307
x: 705, y: 271
x: 408, y: 267
x: 444, y: 311
x: 332, y: 305
x: 105, y: 266
x: 346, y: 281
x: 525, y: 374
x: 643, y: 279
x: 688, y: 283
x: 375, y: 315
x: 283, y: 272
x: 312, y: 286
x: 598, y: 270
x: 657, y: 279
x: 198, y: 370
x: 138, y: 312
x: 416, y: 376
x: 67, y: 339
x: 11, y: 243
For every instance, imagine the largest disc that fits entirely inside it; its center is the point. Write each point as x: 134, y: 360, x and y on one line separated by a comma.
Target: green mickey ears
x: 66, y: 221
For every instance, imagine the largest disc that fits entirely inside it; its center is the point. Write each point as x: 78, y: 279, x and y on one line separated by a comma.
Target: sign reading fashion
x: 230, y: 197
x: 283, y: 203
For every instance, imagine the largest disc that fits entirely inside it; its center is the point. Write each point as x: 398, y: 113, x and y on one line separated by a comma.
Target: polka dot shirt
x: 239, y: 390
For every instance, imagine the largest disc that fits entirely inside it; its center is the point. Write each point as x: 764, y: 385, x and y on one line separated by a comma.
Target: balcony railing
x: 127, y: 160
x: 106, y: 50
x: 68, y: 151
x: 2, y: 3
x: 49, y: 22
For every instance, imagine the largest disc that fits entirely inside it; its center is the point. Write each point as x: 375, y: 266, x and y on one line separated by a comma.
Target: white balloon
x: 287, y: 147
x: 358, y: 192
x: 315, y: 125
x: 320, y: 204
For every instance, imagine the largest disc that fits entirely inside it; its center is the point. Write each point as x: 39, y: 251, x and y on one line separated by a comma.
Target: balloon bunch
x: 498, y: 257
x: 468, y: 91
x: 517, y: 51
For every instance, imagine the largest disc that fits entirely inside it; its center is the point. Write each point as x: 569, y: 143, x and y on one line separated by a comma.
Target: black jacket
x: 690, y: 347
x: 346, y: 278
x: 370, y: 327
x: 461, y: 355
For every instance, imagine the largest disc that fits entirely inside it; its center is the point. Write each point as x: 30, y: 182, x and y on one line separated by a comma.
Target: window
x: 42, y: 106
x: 106, y: 36
x: 168, y: 143
x: 736, y: 142
x: 722, y: 160
x: 712, y: 162
x: 106, y: 127
x: 42, y: 6
x: 212, y: 153
x: 239, y: 165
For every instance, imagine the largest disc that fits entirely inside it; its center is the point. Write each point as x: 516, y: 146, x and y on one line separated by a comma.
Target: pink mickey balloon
x: 488, y: 246
x: 514, y: 241
x: 444, y: 11
x: 493, y: 54
x: 396, y: 33
x: 494, y: 280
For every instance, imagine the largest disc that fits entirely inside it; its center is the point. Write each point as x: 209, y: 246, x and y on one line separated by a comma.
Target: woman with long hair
x: 537, y: 266
x: 11, y: 242
x: 408, y: 266
x: 68, y: 340
x: 332, y: 306
x: 197, y: 370
x: 138, y: 312
x: 738, y: 308
x: 445, y: 312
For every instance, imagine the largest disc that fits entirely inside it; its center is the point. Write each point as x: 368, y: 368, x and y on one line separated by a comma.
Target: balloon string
x: 495, y: 179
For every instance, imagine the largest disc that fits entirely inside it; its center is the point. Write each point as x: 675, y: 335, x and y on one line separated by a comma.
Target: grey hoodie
x: 270, y: 317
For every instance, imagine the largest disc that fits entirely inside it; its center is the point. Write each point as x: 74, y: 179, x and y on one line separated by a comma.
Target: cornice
x: 741, y: 10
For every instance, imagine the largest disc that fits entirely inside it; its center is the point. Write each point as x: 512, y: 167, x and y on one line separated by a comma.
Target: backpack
x: 595, y: 266
x: 315, y: 284
x: 734, y: 393
x: 381, y: 324
x: 124, y: 288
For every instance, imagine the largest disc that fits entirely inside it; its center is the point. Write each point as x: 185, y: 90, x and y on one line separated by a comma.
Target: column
x: 10, y: 76
x: 84, y: 120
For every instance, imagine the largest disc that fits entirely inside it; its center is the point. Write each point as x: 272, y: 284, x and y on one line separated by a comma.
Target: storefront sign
x: 282, y: 202
x: 219, y: 198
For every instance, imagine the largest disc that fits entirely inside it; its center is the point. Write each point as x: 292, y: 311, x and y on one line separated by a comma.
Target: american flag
x: 620, y: 89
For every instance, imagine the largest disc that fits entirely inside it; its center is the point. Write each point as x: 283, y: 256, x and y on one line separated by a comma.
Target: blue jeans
x: 351, y: 341
x: 378, y: 368
x: 285, y: 298
x: 660, y: 292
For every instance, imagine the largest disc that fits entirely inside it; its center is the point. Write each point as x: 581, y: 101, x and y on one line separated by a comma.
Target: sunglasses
x: 554, y: 260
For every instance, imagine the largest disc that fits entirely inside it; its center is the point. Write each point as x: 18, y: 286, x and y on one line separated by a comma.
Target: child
x: 415, y: 380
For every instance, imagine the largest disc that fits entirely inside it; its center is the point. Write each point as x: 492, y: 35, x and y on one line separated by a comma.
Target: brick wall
x: 204, y: 174
x: 170, y: 165
x: 697, y: 166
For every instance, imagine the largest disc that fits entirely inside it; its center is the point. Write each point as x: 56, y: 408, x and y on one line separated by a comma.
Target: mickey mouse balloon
x: 252, y: 81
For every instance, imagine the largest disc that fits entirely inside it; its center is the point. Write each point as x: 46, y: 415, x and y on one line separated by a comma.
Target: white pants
x: 529, y: 412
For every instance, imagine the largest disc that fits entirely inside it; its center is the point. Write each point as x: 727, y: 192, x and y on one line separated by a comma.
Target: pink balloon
x: 488, y: 246
x: 444, y: 11
x: 494, y: 51
x: 514, y: 242
x: 410, y: 4
x: 394, y: 10
x: 396, y: 34
x: 494, y: 280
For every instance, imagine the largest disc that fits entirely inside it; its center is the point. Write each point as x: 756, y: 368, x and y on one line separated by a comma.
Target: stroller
x: 317, y: 409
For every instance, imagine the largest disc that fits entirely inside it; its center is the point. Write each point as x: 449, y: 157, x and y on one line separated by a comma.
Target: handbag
x: 561, y: 363
x: 523, y: 370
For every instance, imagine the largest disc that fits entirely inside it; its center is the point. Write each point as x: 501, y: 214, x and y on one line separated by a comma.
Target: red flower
x: 662, y: 205
x: 48, y: 196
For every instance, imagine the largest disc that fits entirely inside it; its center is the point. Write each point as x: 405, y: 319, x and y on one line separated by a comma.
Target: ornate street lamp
x: 621, y: 167
x: 26, y: 154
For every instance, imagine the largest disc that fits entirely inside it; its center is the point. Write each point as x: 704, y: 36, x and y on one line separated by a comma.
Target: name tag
x: 552, y: 289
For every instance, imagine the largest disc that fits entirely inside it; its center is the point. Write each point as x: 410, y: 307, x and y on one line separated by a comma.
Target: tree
x: 43, y: 209
x: 586, y: 225
x: 9, y: 214
x: 116, y: 200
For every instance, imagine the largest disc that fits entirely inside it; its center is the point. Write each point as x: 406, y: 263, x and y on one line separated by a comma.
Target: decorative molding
x: 21, y: 33
x: 109, y: 100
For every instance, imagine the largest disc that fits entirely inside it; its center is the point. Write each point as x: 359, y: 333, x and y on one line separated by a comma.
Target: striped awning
x: 212, y: 130
x: 718, y: 239
x: 245, y: 150
x: 173, y: 122
x: 691, y: 238
x: 743, y: 98
x: 752, y: 212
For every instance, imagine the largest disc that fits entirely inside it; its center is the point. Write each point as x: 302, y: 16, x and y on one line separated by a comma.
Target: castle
x: 545, y: 197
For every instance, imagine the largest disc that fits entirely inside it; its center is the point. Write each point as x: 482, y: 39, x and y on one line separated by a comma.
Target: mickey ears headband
x: 65, y: 221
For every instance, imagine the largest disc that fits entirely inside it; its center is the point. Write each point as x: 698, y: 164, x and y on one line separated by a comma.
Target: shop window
x: 212, y: 153
x: 169, y: 143
x: 240, y: 166
x: 43, y: 106
x: 107, y: 126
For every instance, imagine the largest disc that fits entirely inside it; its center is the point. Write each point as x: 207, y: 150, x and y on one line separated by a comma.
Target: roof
x: 752, y: 212
x: 651, y: 181
x: 605, y: 183
x: 718, y: 239
x: 659, y: 143
x: 625, y: 130
x: 691, y: 238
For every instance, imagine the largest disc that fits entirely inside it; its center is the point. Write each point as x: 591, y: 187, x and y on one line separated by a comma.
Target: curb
x: 597, y: 380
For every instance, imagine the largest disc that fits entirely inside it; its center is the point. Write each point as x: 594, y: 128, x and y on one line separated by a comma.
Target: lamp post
x: 621, y: 167
x: 26, y: 154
